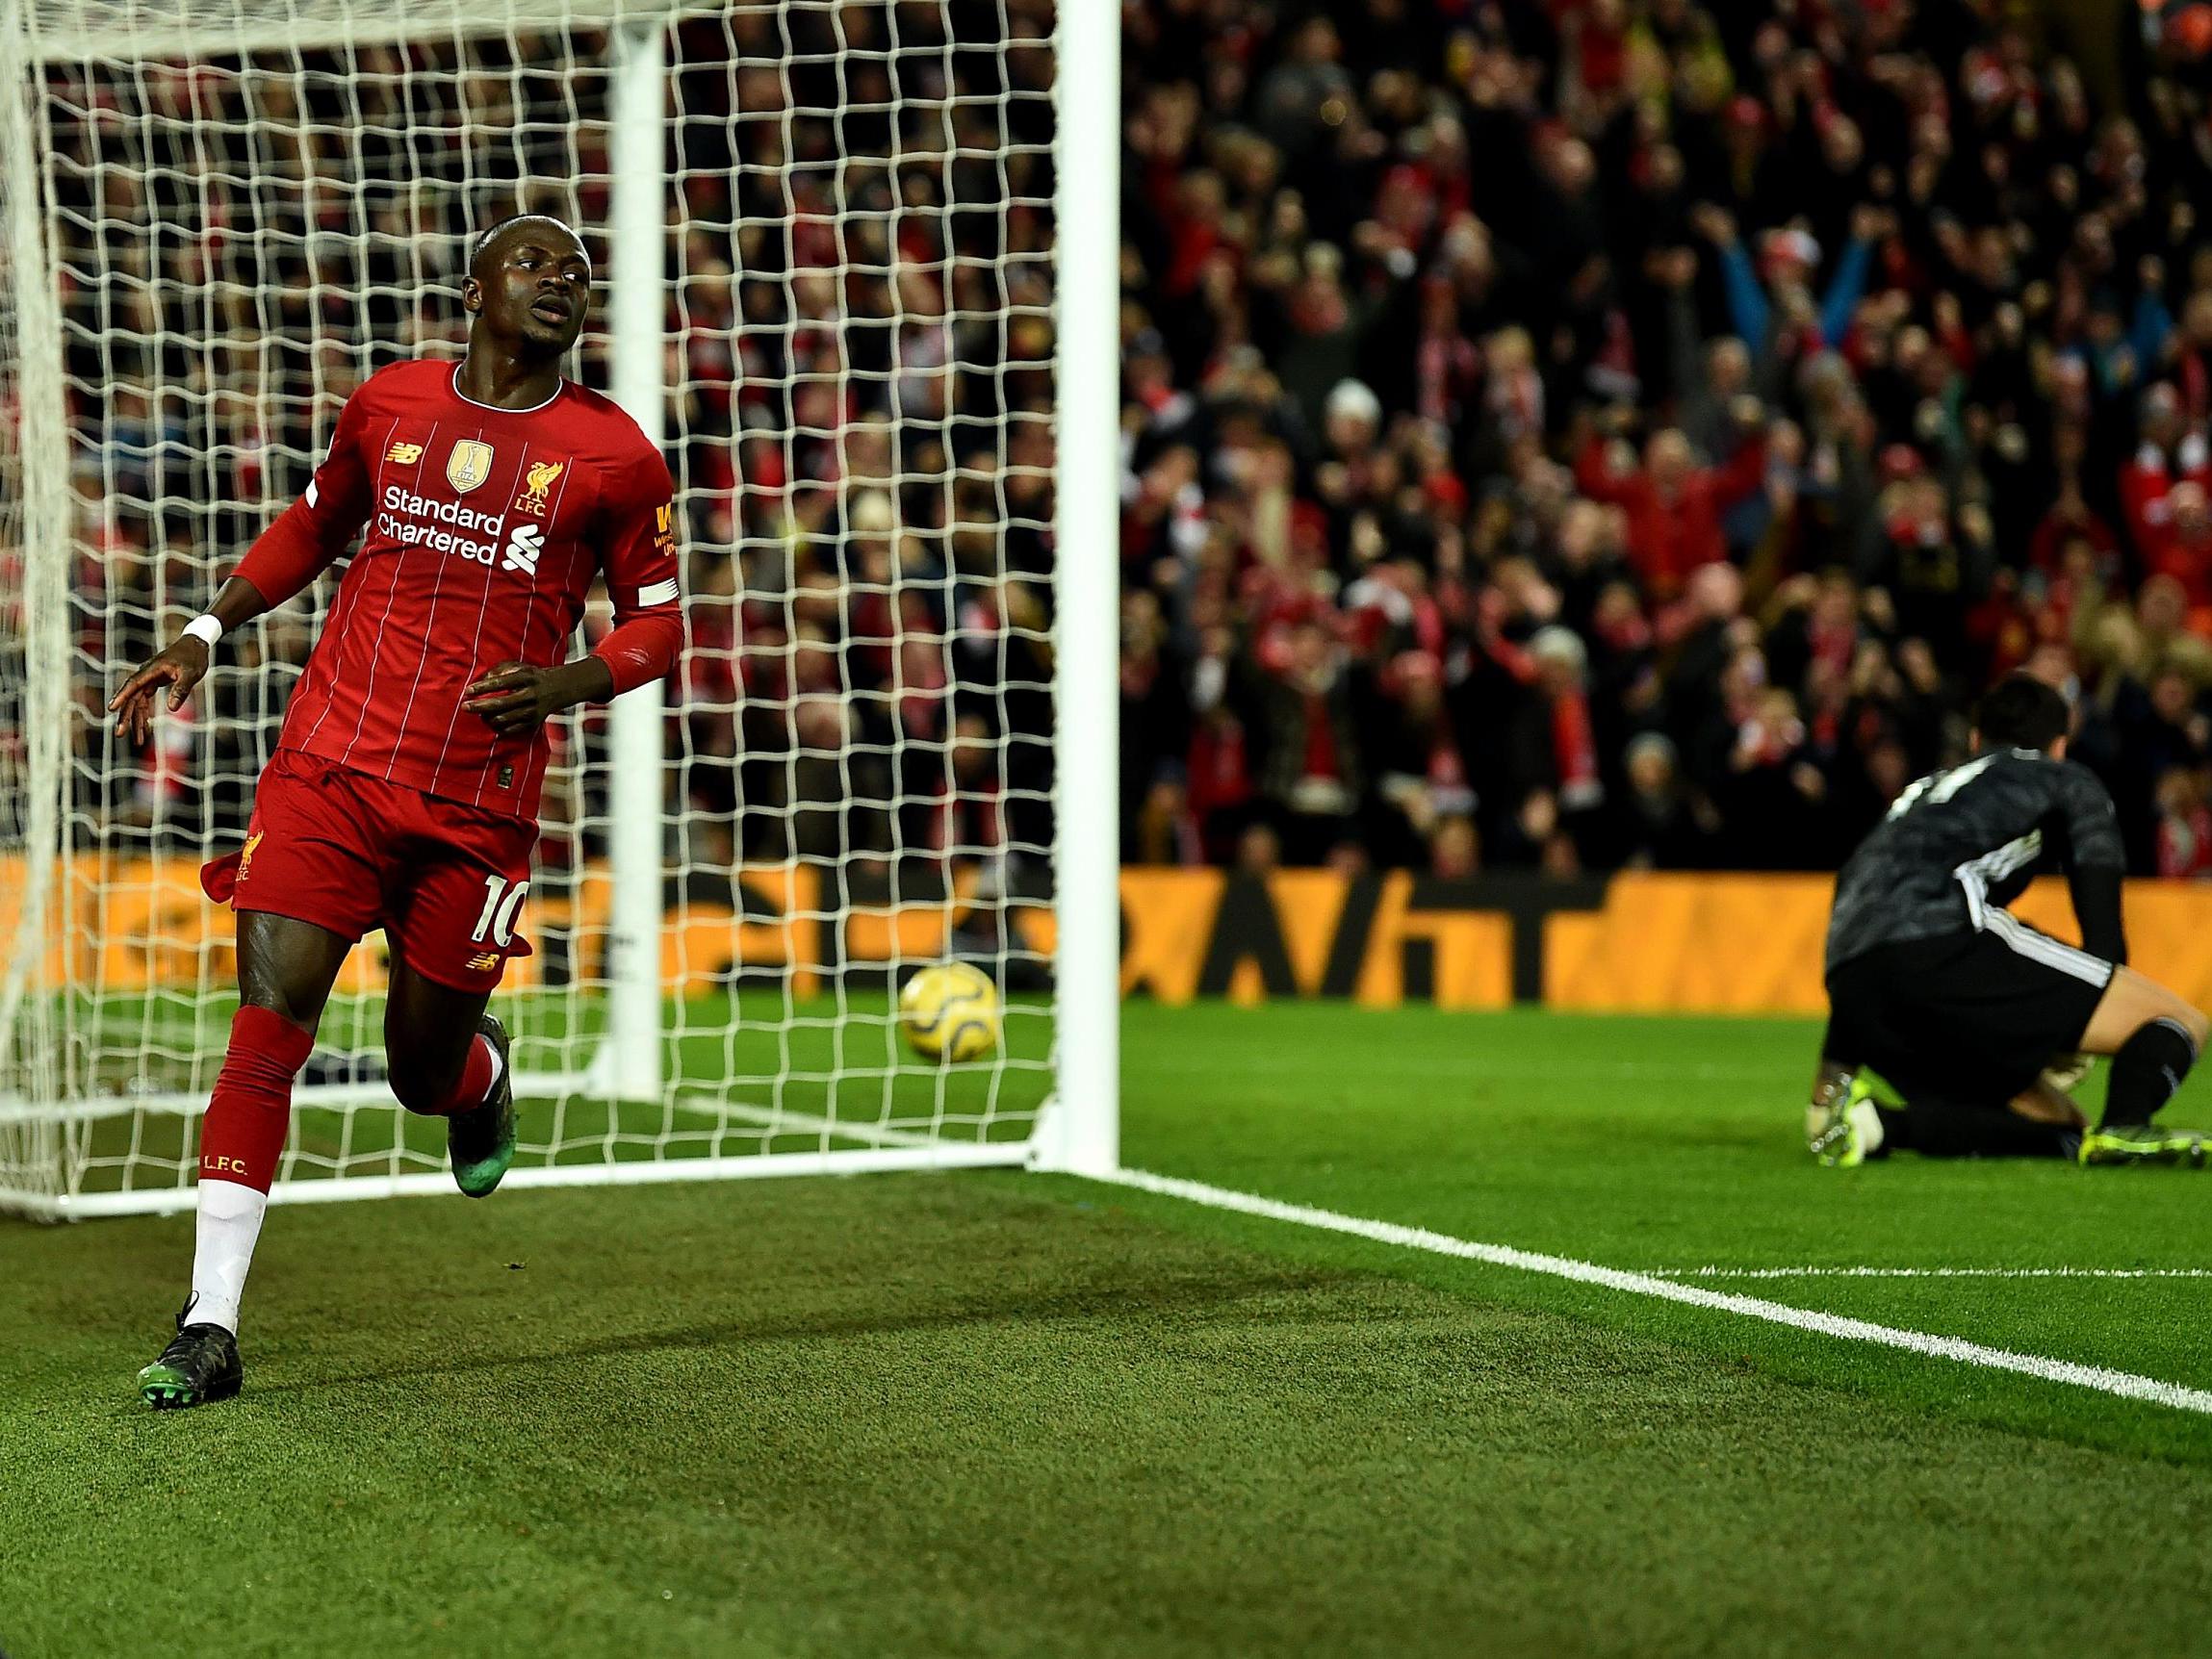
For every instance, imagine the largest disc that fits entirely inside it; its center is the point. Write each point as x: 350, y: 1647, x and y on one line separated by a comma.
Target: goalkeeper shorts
x: 1967, y: 1016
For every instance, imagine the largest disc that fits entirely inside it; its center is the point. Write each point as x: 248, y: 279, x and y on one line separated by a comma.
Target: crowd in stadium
x: 1629, y: 432
x: 859, y: 420
x: 1568, y: 436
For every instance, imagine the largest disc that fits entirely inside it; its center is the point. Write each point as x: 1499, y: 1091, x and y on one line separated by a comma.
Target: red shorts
x: 350, y: 853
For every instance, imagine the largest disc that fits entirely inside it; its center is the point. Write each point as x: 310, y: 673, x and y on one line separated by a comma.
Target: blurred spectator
x: 1632, y: 431
x: 1614, y: 431
x: 858, y: 421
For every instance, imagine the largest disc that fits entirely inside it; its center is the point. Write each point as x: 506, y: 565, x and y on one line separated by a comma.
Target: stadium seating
x: 1634, y: 443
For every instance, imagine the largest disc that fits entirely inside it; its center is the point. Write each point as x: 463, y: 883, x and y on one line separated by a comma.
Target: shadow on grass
x: 1150, y: 1300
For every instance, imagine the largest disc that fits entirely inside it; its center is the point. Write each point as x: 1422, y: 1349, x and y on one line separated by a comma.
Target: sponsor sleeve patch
x: 658, y: 593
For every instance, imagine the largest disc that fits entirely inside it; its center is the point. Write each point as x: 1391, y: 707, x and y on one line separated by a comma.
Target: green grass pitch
x: 999, y: 1413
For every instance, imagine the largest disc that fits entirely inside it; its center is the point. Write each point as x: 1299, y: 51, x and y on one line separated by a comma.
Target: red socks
x: 243, y: 1136
x: 476, y: 1081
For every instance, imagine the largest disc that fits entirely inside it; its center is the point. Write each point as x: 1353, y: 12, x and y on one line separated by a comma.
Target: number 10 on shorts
x: 502, y: 903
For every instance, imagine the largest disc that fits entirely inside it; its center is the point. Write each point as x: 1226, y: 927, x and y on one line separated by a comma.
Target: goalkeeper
x: 1961, y: 1005
x: 403, y: 792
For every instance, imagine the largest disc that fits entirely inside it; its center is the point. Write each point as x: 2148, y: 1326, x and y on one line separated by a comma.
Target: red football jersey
x: 485, y: 527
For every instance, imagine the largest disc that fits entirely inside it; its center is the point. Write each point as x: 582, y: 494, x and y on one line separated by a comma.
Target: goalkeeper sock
x: 2147, y: 1069
x: 239, y: 1143
x: 479, y: 1076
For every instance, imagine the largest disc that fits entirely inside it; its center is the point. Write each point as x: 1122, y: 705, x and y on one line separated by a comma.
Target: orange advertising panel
x: 1670, y: 943
x: 1647, y: 942
x: 134, y: 924
x: 1752, y: 944
x: 1377, y: 939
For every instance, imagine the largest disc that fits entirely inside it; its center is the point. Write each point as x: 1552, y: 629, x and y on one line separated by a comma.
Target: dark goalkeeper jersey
x: 1959, y: 843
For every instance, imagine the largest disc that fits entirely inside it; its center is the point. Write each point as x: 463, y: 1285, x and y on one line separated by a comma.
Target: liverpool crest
x: 539, y: 480
x: 468, y: 465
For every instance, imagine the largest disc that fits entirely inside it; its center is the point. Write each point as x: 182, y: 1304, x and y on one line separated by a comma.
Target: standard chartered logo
x: 415, y: 520
x: 406, y: 502
x: 523, y: 550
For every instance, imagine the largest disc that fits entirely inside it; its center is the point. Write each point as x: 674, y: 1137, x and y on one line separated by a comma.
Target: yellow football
x: 950, y: 1012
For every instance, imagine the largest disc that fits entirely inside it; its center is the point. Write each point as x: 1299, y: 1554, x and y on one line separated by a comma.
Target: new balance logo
x: 482, y: 962
x: 406, y: 454
x: 523, y: 550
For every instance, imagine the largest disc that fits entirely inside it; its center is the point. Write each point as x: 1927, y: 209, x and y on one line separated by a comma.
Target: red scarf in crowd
x: 2185, y: 842
x: 1574, y: 752
x: 1320, y: 740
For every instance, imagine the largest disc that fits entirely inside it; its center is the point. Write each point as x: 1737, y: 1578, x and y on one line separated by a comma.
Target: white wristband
x: 204, y: 628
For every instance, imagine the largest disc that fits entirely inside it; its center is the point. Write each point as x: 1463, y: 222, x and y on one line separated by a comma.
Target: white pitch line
x: 1930, y: 1272
x: 2126, y: 1384
x: 777, y: 1121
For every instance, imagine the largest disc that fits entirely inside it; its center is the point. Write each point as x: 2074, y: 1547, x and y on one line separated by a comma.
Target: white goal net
x: 218, y: 219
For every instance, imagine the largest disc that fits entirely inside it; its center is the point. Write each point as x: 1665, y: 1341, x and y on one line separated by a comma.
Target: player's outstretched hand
x: 180, y: 665
x: 515, y: 698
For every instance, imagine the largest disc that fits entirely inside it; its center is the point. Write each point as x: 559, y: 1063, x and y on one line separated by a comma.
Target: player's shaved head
x: 497, y: 234
x: 527, y: 289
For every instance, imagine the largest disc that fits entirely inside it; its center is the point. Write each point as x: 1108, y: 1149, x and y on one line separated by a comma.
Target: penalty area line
x: 2125, y: 1385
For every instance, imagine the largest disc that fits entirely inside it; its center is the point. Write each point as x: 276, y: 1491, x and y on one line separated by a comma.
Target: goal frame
x: 1076, y: 1130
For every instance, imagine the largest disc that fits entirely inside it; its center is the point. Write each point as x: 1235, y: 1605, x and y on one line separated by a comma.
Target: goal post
x: 32, y: 508
x: 859, y: 278
x: 637, y: 308
x: 1082, y: 1128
